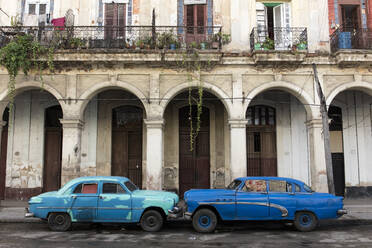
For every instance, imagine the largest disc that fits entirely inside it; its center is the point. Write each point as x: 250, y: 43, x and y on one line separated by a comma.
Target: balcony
x: 278, y: 39
x: 130, y: 38
x: 351, y: 39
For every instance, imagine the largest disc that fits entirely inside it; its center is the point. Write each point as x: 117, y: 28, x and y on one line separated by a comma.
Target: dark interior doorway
x: 127, y: 143
x: 194, y: 172
x: 350, y: 17
x: 261, y: 141
x: 338, y: 164
x: 52, y: 149
x: 195, y: 21
x: 3, y: 153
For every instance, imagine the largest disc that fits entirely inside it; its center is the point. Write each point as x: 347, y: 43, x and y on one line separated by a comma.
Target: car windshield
x: 130, y: 186
x: 308, y: 189
x: 234, y: 185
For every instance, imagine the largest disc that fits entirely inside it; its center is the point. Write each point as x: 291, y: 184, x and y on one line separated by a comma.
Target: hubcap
x: 204, y: 221
x: 305, y: 220
x: 151, y: 221
x: 59, y: 220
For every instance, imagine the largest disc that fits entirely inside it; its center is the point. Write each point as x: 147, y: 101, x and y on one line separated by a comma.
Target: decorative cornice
x: 238, y: 123
x: 154, y: 123
x: 72, y: 123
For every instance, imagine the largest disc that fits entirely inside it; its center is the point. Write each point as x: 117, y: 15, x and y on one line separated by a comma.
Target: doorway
x: 337, y: 149
x: 261, y: 141
x: 194, y: 171
x: 52, y: 149
x: 115, y: 21
x: 196, y: 21
x: 3, y: 153
x: 126, y: 156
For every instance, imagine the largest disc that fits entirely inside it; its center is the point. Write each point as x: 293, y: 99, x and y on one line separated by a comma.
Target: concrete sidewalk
x: 359, y: 210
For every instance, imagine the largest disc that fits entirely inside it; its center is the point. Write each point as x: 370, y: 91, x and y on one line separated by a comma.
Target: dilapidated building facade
x: 118, y: 100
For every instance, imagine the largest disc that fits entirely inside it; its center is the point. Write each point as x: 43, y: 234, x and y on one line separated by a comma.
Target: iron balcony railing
x: 278, y: 39
x: 351, y: 38
x: 123, y: 37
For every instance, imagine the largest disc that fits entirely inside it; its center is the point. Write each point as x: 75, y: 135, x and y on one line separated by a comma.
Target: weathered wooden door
x: 195, y: 21
x: 126, y: 158
x: 261, y: 142
x: 115, y: 15
x: 52, y: 149
x: 3, y: 154
x: 194, y: 171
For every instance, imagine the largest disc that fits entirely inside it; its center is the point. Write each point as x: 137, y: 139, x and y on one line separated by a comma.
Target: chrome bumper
x: 175, y: 213
x: 341, y: 212
x: 28, y: 214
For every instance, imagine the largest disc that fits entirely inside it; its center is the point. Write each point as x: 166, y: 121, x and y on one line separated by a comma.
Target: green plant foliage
x: 22, y: 54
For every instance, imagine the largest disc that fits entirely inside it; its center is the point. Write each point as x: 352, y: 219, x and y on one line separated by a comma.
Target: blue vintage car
x: 261, y: 198
x: 102, y: 199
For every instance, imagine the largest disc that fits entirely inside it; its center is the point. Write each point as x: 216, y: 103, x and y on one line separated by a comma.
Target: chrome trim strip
x: 113, y: 208
x: 271, y: 205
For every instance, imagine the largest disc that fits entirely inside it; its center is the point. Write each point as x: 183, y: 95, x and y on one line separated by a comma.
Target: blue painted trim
x: 100, y: 12
x: 130, y: 12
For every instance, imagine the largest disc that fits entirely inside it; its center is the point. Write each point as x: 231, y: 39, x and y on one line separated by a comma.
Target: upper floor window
x: 36, y: 12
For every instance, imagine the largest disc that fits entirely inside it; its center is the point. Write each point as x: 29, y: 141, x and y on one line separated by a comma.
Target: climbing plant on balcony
x: 23, y: 54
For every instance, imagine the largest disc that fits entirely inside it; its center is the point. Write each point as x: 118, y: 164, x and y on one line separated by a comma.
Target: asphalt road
x: 178, y: 235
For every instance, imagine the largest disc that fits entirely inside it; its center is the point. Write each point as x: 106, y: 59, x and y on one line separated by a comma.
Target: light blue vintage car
x: 102, y: 200
x: 261, y: 198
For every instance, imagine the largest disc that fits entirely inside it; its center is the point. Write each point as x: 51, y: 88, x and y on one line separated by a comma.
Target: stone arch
x: 291, y: 88
x: 29, y: 85
x: 97, y: 88
x: 219, y: 93
x: 356, y: 85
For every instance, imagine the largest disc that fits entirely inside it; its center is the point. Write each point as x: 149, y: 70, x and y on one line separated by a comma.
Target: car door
x: 84, y: 203
x: 114, y: 203
x: 252, y: 200
x: 282, y: 199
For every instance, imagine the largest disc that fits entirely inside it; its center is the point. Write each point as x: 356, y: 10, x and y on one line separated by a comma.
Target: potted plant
x: 203, y: 45
x: 226, y: 38
x: 257, y: 46
x: 301, y: 45
x: 140, y: 44
x: 268, y: 44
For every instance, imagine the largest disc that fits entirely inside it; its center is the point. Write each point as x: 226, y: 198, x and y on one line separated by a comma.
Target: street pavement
x: 352, y: 230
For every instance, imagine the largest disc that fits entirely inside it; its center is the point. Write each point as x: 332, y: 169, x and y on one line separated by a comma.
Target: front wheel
x: 204, y: 221
x: 59, y: 222
x: 305, y: 221
x: 151, y: 221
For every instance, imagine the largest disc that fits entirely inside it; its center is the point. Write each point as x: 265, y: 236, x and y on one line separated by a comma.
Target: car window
x: 297, y: 188
x: 112, y: 188
x: 254, y: 186
x: 280, y: 186
x: 234, y: 184
x: 130, y: 186
x: 308, y: 189
x: 86, y: 188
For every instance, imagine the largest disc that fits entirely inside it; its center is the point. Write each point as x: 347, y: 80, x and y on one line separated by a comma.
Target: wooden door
x: 195, y: 21
x: 115, y: 21
x: 52, y: 149
x: 127, y: 143
x: 261, y: 142
x: 194, y: 171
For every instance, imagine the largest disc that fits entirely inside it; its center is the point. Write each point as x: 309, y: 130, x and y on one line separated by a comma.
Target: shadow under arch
x: 296, y: 91
x: 355, y: 85
x: 219, y: 93
x: 88, y: 94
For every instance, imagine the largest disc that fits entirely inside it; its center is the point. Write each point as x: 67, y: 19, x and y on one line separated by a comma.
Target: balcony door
x: 115, y: 21
x: 195, y: 20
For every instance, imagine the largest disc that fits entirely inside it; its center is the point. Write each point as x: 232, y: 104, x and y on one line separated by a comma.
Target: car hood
x: 155, y: 194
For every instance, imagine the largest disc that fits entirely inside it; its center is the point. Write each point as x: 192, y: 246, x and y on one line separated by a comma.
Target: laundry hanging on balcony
x: 59, y: 23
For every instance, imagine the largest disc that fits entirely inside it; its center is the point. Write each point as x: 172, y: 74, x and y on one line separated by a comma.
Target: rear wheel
x: 204, y: 221
x: 151, y: 221
x: 59, y: 222
x: 305, y: 221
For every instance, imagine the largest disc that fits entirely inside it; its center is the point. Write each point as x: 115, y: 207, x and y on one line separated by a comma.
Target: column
x: 318, y: 169
x: 238, y: 150
x: 154, y: 154
x: 71, y: 149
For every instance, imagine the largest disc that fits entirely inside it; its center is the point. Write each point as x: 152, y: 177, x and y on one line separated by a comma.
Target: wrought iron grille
x: 119, y: 37
x: 263, y: 38
x: 351, y: 38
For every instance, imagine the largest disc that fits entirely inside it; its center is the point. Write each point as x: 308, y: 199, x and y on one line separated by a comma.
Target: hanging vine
x: 23, y: 54
x: 192, y: 64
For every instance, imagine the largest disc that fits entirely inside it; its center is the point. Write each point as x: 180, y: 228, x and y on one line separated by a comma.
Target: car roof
x: 99, y: 178
x: 272, y: 178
